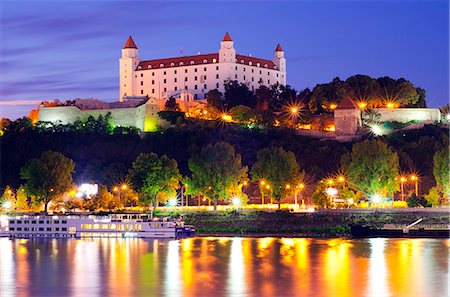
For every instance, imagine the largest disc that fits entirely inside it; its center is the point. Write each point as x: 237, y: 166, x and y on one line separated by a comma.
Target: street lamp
x: 341, y: 178
x: 415, y: 179
x: 262, y: 183
x: 294, y: 113
x: 402, y: 181
x: 301, y: 186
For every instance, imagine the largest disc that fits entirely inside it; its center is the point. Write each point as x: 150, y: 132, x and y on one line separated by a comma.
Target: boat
x: 414, y: 230
x: 86, y: 226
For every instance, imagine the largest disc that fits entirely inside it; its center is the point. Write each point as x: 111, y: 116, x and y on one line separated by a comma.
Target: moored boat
x: 82, y: 226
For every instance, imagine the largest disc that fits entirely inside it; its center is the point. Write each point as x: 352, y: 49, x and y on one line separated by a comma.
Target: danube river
x: 224, y: 267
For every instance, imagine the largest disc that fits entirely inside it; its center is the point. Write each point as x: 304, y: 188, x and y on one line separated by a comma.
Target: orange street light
x: 330, y: 181
x: 333, y: 106
x: 262, y: 183
x: 124, y: 187
x: 115, y: 189
x: 341, y: 178
x: 294, y: 110
x: 288, y: 186
x: 415, y: 179
x: 402, y: 181
x: 362, y: 105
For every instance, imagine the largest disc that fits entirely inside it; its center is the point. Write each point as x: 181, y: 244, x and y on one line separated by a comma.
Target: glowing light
x: 377, y: 130
x: 301, y: 186
x: 227, y: 118
x: 267, y: 187
x: 173, y: 202
x: 403, y: 179
x: 376, y: 198
x: 236, y: 201
x: 262, y: 183
x: 124, y: 187
x: 390, y: 105
x: 331, y: 191
x: 245, y: 183
x: 362, y: 105
x: 115, y: 189
x: 7, y: 205
x: 447, y: 117
x: 294, y: 109
x: 9, y: 192
x: 86, y: 190
x: 333, y: 106
x: 330, y: 181
x: 341, y: 178
x: 414, y: 177
x: 288, y: 186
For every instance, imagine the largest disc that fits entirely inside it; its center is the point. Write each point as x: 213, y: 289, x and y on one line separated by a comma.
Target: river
x: 222, y: 266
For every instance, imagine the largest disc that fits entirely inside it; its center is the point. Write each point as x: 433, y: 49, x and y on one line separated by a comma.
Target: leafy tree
x: 22, y: 203
x: 374, y: 168
x: 279, y: 169
x: 216, y: 171
x: 238, y: 94
x: 263, y: 98
x: 362, y: 88
x: 415, y: 201
x: 154, y: 177
x: 214, y: 99
x: 400, y: 91
x: 441, y: 170
x: 319, y: 197
x: 104, y: 200
x: 48, y: 176
x: 433, y: 197
x: 323, y: 95
x: 244, y: 114
x: 172, y: 105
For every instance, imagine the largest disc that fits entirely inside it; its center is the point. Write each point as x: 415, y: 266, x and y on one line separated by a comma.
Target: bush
x: 414, y: 201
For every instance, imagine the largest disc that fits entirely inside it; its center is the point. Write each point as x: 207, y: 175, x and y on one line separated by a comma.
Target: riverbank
x: 323, y: 223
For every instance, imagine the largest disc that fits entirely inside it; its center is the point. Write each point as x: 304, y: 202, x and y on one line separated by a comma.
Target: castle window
x: 175, y: 72
x: 172, y: 64
x: 149, y: 67
x: 161, y: 65
x: 204, y: 77
x: 153, y: 82
x: 253, y: 79
x: 277, y: 74
x: 235, y: 68
x: 204, y: 69
x: 195, y: 69
x: 185, y: 70
x: 139, y: 67
x: 185, y: 79
x: 257, y: 64
x: 164, y: 73
x: 235, y: 76
x: 175, y: 79
x: 244, y: 77
x: 153, y: 74
x: 142, y: 92
x: 253, y: 70
x: 181, y: 64
x: 214, y: 60
x: 195, y: 87
x: 217, y: 76
x: 265, y: 65
x: 204, y: 86
x: 217, y: 67
x: 142, y: 83
x: 185, y: 87
x: 250, y: 63
x: 153, y: 91
x: 242, y: 61
x: 243, y: 68
x: 205, y: 61
x: 192, y: 63
x: 165, y: 80
x: 165, y: 89
x: 260, y: 72
x: 195, y: 77
x: 176, y: 89
x: 217, y: 85
x: 268, y: 73
x: 268, y: 81
x: 142, y: 74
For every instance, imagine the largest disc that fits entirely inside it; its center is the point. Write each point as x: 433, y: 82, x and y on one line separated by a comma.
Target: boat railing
x: 418, y: 226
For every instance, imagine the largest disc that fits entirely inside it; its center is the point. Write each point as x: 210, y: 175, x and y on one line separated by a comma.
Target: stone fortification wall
x: 404, y: 115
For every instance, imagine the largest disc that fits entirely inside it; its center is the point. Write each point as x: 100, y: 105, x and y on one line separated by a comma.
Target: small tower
x: 128, y: 64
x: 279, y: 59
x: 227, y: 53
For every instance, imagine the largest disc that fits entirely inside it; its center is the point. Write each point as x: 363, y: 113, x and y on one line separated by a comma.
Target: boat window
x: 49, y: 229
x: 56, y: 222
x: 41, y: 229
x: 56, y: 229
x: 64, y: 221
x: 49, y: 222
x: 19, y: 222
x: 64, y: 229
x: 26, y: 222
x: 11, y: 229
x: 11, y: 222
x: 33, y: 222
x: 41, y: 222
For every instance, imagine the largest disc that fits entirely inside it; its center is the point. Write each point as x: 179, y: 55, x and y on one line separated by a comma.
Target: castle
x: 191, y: 77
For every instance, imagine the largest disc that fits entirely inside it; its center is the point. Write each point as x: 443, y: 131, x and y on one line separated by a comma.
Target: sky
x: 70, y: 49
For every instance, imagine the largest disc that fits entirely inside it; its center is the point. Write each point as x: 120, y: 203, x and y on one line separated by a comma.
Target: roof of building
x: 202, y: 59
x: 227, y: 37
x: 130, y: 43
x: 278, y: 49
x: 346, y: 103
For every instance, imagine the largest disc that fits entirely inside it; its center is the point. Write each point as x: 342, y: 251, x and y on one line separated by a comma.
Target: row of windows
x: 185, y: 87
x: 205, y: 61
x: 122, y: 227
x: 176, y: 80
x: 34, y: 229
x: 175, y: 71
x: 37, y: 222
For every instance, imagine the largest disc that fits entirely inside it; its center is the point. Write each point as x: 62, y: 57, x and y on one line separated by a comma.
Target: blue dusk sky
x: 70, y: 49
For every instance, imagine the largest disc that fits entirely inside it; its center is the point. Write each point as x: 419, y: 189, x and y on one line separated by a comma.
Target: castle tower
x: 227, y: 53
x: 128, y: 63
x: 279, y: 58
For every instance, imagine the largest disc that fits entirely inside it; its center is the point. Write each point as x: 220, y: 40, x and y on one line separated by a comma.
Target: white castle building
x: 191, y: 77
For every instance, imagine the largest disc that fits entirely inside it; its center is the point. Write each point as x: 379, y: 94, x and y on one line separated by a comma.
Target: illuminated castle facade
x: 191, y: 77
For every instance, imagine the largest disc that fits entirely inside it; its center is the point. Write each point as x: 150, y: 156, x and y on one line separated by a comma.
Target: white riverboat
x: 81, y: 226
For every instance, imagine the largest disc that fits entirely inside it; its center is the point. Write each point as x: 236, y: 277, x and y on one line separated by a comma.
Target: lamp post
x: 262, y: 183
x: 301, y: 186
x: 402, y: 181
x: 341, y: 178
x: 415, y: 179
x: 294, y: 112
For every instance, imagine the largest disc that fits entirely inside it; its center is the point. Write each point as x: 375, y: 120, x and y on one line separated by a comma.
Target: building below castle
x: 191, y: 77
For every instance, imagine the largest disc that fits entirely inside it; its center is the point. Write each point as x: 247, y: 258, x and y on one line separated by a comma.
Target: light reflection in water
x: 224, y: 267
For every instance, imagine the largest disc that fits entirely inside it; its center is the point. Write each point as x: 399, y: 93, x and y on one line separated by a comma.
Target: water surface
x: 224, y: 267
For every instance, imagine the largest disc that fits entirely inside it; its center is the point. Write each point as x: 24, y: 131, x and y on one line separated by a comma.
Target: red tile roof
x: 130, y: 43
x: 227, y: 37
x: 278, y: 49
x: 346, y: 103
x: 201, y: 59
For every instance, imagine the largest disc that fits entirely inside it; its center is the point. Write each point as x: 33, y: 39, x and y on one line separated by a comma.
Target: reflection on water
x: 224, y: 267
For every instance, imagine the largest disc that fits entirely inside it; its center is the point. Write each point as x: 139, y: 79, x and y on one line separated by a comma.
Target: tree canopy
x: 48, y: 176
x: 441, y: 171
x: 217, y: 172
x: 279, y: 170
x: 374, y: 168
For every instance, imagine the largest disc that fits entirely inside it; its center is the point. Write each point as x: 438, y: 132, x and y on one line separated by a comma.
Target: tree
x: 154, y: 177
x: 244, y: 115
x: 22, y: 203
x: 263, y: 98
x: 415, y: 201
x: 374, y: 168
x: 172, y: 105
x: 216, y: 171
x: 104, y: 200
x: 280, y: 171
x: 433, y: 197
x: 48, y: 176
x: 320, y: 198
x: 441, y: 171
x: 400, y: 91
x: 214, y: 99
x: 238, y: 94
